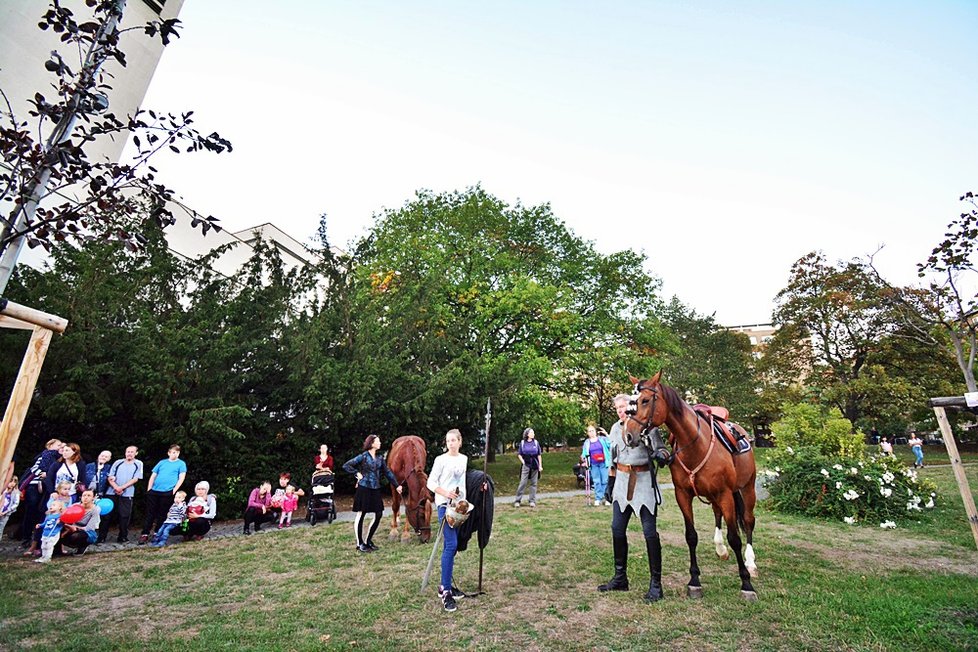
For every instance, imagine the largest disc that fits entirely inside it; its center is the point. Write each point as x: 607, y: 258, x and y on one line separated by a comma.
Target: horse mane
x: 676, y: 404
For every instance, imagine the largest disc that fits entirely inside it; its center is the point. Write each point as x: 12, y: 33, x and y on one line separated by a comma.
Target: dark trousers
x: 77, y: 540
x: 619, y: 520
x: 157, y: 505
x: 255, y: 515
x: 121, y: 513
x: 33, y: 502
x: 197, y: 527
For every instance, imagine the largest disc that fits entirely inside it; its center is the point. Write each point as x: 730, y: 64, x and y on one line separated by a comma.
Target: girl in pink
x: 289, y: 504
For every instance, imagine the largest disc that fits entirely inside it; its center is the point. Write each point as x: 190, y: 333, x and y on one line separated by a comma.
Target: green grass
x: 823, y: 586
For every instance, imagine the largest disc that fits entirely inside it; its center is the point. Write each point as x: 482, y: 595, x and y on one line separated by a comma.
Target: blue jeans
x: 599, y: 479
x: 164, y: 533
x: 919, y: 454
x: 450, y: 547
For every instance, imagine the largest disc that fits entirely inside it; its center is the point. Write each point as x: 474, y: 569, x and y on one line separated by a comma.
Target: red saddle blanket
x: 731, y: 438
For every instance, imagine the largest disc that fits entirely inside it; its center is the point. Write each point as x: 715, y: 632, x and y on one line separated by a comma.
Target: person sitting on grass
x: 174, y: 518
x: 259, y: 504
x: 201, y: 510
x: 83, y: 532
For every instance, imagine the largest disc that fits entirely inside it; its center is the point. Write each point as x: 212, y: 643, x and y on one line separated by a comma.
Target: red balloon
x: 73, y: 514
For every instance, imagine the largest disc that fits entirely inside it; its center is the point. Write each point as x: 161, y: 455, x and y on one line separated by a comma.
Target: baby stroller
x: 321, y: 506
x: 580, y: 471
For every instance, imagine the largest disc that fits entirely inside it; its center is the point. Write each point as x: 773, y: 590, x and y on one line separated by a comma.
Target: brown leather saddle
x: 732, y: 439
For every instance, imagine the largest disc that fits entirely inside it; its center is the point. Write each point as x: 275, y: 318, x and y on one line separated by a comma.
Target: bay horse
x: 407, y: 459
x: 703, y: 470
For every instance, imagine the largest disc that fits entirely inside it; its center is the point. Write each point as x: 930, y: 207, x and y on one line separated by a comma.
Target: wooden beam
x: 10, y: 322
x: 20, y: 398
x: 959, y: 474
x: 32, y: 316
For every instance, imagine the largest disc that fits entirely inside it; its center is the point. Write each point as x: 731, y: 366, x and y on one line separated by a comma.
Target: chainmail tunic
x: 646, y: 488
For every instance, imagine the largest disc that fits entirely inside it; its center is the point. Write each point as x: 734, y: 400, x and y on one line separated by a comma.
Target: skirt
x: 368, y: 500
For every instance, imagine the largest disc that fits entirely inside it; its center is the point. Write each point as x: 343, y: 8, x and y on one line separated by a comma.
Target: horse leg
x: 685, y: 501
x: 721, y: 548
x: 393, y: 535
x: 729, y: 509
x: 748, y: 498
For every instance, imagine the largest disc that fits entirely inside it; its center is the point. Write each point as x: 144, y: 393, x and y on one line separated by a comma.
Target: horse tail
x: 739, y: 508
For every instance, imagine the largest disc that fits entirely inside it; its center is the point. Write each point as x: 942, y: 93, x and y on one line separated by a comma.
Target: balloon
x: 104, y: 506
x: 73, y: 514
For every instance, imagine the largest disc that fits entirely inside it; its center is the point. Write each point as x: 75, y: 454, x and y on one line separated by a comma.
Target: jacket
x: 102, y: 482
x: 49, y: 479
x: 370, y: 467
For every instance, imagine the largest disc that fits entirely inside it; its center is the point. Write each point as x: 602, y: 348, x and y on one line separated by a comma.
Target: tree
x: 97, y: 199
x: 944, y: 313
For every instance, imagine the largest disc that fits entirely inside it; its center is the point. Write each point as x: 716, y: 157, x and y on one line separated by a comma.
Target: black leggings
x: 255, y: 515
x: 77, y: 540
x: 619, y: 520
x: 358, y: 527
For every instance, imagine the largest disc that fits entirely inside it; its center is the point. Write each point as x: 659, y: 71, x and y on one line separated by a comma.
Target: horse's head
x: 646, y: 409
x: 418, y: 505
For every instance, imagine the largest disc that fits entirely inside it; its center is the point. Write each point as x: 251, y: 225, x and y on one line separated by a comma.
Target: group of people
x: 58, y: 479
x: 915, y: 443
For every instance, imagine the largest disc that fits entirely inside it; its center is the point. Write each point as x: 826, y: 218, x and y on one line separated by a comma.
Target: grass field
x: 823, y: 586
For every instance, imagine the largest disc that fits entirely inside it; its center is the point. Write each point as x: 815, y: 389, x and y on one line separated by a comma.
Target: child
x: 289, y: 504
x: 61, y: 496
x: 9, y: 500
x: 174, y: 517
x: 50, y: 531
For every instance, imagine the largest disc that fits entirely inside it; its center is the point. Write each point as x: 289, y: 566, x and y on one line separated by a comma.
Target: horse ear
x: 633, y: 379
x: 655, y: 379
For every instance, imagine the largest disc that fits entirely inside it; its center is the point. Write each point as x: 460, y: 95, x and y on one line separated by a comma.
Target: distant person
x: 174, y: 518
x: 70, y: 468
x: 324, y: 460
x: 596, y: 453
x: 201, y: 510
x: 82, y: 533
x: 98, y: 474
x: 368, y: 466
x: 32, y: 486
x: 9, y: 500
x: 289, y: 504
x: 530, y: 454
x: 122, y: 479
x: 259, y: 505
x: 50, y: 531
x: 917, y: 446
x: 164, y: 482
x: 886, y: 447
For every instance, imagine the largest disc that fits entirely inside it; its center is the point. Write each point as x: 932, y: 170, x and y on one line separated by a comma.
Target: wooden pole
x: 32, y: 316
x: 20, y: 398
x: 959, y: 474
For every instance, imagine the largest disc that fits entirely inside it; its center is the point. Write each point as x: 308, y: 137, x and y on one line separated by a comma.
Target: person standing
x: 70, y: 467
x: 122, y: 479
x: 596, y: 453
x: 9, y: 500
x: 34, y: 494
x: 323, y: 461
x: 637, y: 491
x: 98, y: 474
x: 367, y: 466
x: 164, y: 483
x: 917, y: 446
x: 447, y: 482
x: 530, y: 454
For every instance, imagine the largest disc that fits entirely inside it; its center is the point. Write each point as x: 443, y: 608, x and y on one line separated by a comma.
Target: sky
x: 724, y: 140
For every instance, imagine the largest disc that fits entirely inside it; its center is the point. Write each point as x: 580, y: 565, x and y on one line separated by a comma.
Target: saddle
x: 732, y: 439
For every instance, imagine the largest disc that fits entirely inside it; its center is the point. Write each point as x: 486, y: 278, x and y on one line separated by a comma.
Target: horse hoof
x: 752, y: 570
x: 406, y: 538
x: 393, y: 536
x: 694, y: 592
x: 749, y: 596
x: 725, y: 556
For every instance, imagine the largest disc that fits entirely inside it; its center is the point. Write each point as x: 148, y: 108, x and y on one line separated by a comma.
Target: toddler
x: 174, y: 517
x: 289, y: 504
x: 50, y: 531
x: 62, y: 497
x: 9, y: 500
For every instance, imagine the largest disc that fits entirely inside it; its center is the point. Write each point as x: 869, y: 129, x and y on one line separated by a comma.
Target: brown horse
x: 700, y: 469
x: 407, y: 459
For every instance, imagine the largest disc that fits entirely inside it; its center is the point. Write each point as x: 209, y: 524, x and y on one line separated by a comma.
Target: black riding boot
x: 620, y: 581
x: 654, y: 547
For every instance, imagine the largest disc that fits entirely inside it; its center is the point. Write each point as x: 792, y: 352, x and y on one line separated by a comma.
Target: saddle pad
x: 731, y: 440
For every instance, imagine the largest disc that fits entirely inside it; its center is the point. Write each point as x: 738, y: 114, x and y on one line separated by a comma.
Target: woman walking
x: 916, y: 445
x: 447, y: 481
x: 531, y: 457
x: 596, y: 453
x: 367, y: 466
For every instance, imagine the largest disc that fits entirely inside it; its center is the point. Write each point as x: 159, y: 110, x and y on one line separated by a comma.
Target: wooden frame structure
x: 43, y: 326
x: 940, y: 405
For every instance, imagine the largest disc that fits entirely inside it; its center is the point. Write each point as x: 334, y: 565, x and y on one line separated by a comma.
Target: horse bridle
x: 632, y: 410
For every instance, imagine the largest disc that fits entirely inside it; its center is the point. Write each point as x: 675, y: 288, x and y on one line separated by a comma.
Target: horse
x: 407, y: 459
x: 700, y: 469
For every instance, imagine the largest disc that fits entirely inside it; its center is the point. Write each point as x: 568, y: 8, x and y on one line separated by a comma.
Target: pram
x: 580, y: 470
x: 321, y: 506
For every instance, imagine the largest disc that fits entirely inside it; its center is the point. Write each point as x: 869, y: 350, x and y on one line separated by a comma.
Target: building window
x: 155, y: 5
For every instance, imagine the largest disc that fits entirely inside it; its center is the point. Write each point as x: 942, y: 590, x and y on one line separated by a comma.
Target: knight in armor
x: 632, y: 488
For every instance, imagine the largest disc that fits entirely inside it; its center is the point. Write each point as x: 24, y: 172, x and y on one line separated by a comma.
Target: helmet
x: 456, y: 513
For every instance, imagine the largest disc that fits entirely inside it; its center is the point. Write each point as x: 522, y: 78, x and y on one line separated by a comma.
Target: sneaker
x: 42, y: 560
x: 607, y: 504
x: 363, y: 549
x: 448, y: 601
x: 532, y: 504
x: 143, y: 539
x: 516, y: 504
x: 373, y: 548
x: 280, y: 526
x: 597, y: 503
x: 122, y: 540
x: 458, y: 593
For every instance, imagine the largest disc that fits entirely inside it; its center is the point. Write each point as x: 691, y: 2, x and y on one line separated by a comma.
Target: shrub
x: 876, y: 490
x: 806, y: 425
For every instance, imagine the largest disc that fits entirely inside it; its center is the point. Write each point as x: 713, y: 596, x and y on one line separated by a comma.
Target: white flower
x: 777, y: 469
x: 860, y: 465
x: 909, y: 491
x: 837, y: 467
x: 867, y: 478
x: 912, y: 506
x: 888, y: 525
x: 853, y: 471
x: 838, y: 485
x: 888, y: 477
x: 849, y: 519
x: 824, y: 472
x: 851, y: 494
x: 930, y: 504
x: 886, y: 492
x: 790, y: 450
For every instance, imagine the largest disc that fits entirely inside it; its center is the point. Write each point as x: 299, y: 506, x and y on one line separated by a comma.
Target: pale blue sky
x: 725, y: 139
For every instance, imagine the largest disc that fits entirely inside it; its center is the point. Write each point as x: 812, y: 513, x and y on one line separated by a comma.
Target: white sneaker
x: 607, y: 503
x: 597, y: 503
x: 516, y: 504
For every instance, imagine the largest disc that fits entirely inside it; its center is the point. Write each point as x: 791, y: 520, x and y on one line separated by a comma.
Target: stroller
x: 580, y: 471
x: 321, y: 506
